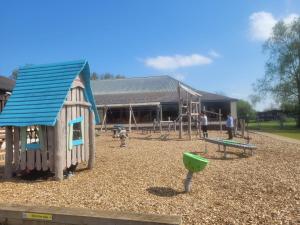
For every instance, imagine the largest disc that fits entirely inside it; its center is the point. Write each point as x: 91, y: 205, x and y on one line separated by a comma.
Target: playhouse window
x: 31, y: 138
x: 75, y: 132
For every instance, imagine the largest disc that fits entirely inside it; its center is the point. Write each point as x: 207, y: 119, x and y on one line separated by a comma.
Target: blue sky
x: 214, y: 46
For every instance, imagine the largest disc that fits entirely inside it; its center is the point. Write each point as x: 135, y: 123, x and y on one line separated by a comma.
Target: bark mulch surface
x: 147, y: 177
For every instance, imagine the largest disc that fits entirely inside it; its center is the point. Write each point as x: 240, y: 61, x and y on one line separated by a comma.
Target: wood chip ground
x: 147, y: 177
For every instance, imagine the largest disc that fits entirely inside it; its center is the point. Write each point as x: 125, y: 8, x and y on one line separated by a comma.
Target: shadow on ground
x: 164, y: 191
x: 34, y: 176
x: 162, y: 137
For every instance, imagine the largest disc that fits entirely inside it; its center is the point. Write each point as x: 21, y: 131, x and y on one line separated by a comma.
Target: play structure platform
x: 231, y: 143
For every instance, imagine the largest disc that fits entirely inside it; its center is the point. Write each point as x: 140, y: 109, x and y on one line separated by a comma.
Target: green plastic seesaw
x: 193, y: 163
x: 230, y: 142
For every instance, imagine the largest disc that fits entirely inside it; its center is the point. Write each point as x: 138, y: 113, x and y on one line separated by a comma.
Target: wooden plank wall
x: 41, y: 159
x: 3, y: 100
x: 76, y: 96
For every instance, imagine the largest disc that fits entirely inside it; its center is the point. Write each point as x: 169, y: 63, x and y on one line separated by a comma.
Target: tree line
x: 106, y: 76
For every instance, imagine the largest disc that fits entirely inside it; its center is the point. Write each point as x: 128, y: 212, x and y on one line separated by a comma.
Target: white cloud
x: 177, y: 61
x: 179, y: 76
x: 262, y: 23
x: 214, y: 54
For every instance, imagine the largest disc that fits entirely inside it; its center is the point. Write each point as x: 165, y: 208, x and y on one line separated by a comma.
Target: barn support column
x: 8, y: 170
x: 199, y: 116
x: 180, y: 112
x: 189, y: 116
x: 129, y: 119
x: 91, y: 161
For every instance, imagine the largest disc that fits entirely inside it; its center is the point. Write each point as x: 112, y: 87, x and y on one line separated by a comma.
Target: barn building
x: 50, y: 119
x: 154, y: 97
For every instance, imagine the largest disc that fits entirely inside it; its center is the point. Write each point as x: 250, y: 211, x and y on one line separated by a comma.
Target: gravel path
x: 147, y: 177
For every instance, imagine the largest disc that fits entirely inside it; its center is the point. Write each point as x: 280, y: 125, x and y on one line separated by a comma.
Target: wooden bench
x: 230, y: 143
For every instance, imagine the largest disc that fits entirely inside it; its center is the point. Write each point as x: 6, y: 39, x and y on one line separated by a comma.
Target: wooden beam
x: 8, y: 169
x: 199, y: 116
x: 129, y: 104
x: 133, y: 117
x: 129, y: 119
x: 104, y: 119
x: 220, y: 120
x: 79, y: 103
x: 188, y: 90
x: 179, y: 111
x: 14, y: 214
x: 190, y: 117
x: 16, y: 148
x: 58, y: 151
x: 91, y: 161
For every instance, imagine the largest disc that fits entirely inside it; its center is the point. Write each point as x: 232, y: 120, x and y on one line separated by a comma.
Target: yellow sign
x: 37, y: 216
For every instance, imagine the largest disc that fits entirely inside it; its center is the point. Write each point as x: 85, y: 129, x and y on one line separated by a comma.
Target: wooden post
x: 58, y: 152
x: 179, y: 113
x: 91, y: 161
x: 236, y: 125
x: 161, y: 118
x: 157, y: 113
x: 104, y: 119
x: 8, y: 169
x: 16, y: 147
x: 190, y: 117
x: 134, y: 120
x: 220, y: 120
x: 199, y: 117
x: 129, y: 123
x: 243, y: 127
x: 161, y: 113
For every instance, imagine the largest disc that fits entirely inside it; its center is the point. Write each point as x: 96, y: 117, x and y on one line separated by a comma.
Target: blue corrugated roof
x: 40, y: 92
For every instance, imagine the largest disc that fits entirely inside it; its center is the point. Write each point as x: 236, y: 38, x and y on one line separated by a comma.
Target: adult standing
x: 229, y: 126
x: 204, y: 126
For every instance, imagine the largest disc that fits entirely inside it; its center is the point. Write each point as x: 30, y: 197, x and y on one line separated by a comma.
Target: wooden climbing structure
x: 189, y: 102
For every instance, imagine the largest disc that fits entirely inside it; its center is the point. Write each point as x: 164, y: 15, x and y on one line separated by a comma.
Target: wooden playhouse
x: 50, y: 119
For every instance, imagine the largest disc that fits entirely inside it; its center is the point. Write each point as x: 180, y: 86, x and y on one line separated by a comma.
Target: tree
x: 105, y: 76
x: 94, y: 76
x: 245, y: 110
x: 119, y: 76
x: 282, y: 75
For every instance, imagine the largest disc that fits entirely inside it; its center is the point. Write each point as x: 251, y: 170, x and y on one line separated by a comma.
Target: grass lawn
x: 289, y: 128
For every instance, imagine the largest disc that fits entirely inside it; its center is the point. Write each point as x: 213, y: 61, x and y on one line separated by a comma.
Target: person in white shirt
x: 204, y: 123
x: 230, y: 126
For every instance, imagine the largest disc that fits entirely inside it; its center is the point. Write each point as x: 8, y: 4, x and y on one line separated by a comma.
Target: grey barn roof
x: 6, y: 84
x: 144, y: 89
